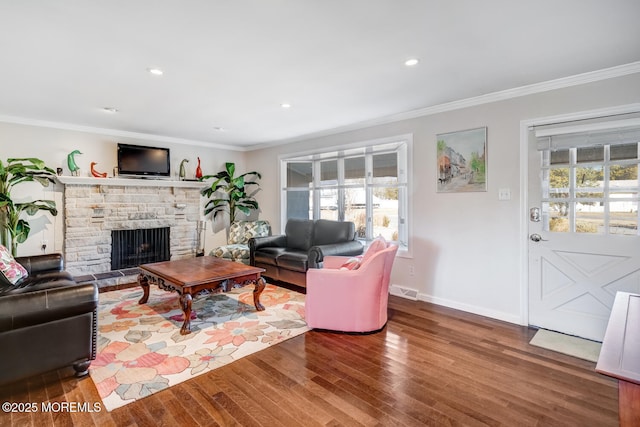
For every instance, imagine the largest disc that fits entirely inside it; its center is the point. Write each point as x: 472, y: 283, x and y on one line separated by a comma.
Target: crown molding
x: 564, y: 82
x: 561, y: 83
x: 115, y: 132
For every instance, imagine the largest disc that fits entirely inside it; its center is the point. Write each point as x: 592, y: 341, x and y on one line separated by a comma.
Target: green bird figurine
x: 182, y: 174
x: 71, y: 162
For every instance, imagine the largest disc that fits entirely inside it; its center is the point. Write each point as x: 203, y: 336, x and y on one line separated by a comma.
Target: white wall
x: 465, y: 246
x: 53, y: 145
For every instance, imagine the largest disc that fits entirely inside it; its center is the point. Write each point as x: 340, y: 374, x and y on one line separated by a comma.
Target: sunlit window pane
x: 355, y: 209
x: 329, y: 204
x: 590, y: 217
x: 559, y: 183
x: 589, y: 182
x: 623, y: 217
x: 559, y: 217
x: 623, y: 176
x: 385, y: 217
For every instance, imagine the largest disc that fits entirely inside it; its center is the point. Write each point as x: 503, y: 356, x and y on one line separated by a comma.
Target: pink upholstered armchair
x: 350, y: 300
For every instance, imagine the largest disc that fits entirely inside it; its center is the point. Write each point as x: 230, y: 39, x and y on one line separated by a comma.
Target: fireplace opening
x: 130, y: 248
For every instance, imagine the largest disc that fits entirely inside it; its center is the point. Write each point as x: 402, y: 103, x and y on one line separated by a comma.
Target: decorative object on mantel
x: 198, y: 170
x: 95, y: 173
x: 232, y: 192
x: 15, y: 230
x: 71, y: 162
x: 182, y: 174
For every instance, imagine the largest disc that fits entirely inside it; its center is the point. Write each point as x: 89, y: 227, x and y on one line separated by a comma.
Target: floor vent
x: 401, y: 291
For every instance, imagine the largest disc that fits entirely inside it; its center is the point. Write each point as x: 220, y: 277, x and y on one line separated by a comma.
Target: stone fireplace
x: 95, y: 207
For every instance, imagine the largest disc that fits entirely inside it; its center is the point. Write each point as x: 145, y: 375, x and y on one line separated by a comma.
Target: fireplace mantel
x: 129, y: 182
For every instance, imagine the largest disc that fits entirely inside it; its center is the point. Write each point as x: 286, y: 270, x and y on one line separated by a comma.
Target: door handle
x: 537, y: 238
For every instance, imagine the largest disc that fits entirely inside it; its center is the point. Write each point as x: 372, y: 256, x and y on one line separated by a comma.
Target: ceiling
x: 228, y: 65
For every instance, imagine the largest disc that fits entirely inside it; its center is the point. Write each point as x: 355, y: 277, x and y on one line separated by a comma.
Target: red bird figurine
x: 96, y: 173
x: 198, y: 170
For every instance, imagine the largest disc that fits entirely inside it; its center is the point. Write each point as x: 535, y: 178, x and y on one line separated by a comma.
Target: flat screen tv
x: 141, y: 161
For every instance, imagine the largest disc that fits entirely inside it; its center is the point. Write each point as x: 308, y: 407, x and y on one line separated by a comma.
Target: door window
x: 591, y: 189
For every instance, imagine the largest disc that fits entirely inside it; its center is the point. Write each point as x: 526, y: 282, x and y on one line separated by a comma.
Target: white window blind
x: 589, y: 135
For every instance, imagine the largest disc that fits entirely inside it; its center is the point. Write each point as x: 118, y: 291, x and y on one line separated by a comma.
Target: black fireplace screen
x: 130, y: 248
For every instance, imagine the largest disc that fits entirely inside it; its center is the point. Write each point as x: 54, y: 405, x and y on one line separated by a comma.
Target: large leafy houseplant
x: 230, y: 193
x: 13, y: 229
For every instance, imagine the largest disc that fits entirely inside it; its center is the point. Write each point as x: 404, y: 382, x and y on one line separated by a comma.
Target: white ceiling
x: 232, y: 63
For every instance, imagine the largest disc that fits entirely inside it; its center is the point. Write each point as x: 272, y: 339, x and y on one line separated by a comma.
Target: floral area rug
x: 141, y: 351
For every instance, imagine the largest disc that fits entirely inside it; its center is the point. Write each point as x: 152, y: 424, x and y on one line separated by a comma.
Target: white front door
x: 583, y: 243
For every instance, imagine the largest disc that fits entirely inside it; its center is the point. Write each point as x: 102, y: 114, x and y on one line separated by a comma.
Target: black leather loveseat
x: 304, y: 245
x: 47, y: 321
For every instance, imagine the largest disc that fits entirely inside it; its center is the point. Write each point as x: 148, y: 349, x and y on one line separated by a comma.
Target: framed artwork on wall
x: 462, y: 161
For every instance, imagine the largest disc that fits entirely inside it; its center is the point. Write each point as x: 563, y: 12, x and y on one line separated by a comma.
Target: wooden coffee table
x: 193, y: 275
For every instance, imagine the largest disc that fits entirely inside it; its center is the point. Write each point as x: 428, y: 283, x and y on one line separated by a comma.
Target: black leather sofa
x: 304, y: 245
x: 47, y: 321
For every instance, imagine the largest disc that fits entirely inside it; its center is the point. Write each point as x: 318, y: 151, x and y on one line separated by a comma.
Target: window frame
x: 402, y: 145
x: 573, y: 196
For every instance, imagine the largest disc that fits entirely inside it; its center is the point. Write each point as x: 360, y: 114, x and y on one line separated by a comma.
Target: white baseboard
x: 409, y: 293
x: 482, y: 311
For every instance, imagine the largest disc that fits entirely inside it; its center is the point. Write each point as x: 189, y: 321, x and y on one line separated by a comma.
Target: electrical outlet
x: 44, y: 245
x: 412, y: 271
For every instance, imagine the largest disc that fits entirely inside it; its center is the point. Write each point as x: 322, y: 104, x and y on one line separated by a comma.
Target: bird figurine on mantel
x: 95, y: 173
x: 71, y: 162
x: 198, y: 170
x: 182, y: 172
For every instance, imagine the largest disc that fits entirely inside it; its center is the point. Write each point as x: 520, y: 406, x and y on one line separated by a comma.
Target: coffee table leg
x: 144, y: 284
x: 185, y: 303
x: 260, y: 284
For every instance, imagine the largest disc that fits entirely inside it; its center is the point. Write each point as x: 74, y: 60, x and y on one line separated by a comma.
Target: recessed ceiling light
x: 155, y: 71
x: 411, y: 62
x: 110, y: 110
x: 219, y: 129
x: 285, y: 105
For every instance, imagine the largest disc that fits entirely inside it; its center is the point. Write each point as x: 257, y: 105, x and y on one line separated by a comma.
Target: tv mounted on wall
x: 141, y: 161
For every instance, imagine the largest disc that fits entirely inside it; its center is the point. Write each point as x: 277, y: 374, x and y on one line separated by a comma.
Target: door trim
x: 524, y: 186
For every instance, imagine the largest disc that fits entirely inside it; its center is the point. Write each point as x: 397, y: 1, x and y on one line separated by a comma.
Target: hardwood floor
x: 429, y: 366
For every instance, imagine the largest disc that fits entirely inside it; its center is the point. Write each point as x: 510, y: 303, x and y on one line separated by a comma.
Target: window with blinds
x: 590, y: 178
x: 365, y: 184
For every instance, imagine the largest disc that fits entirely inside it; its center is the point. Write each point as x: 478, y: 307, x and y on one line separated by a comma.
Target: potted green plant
x: 13, y: 229
x: 230, y: 193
